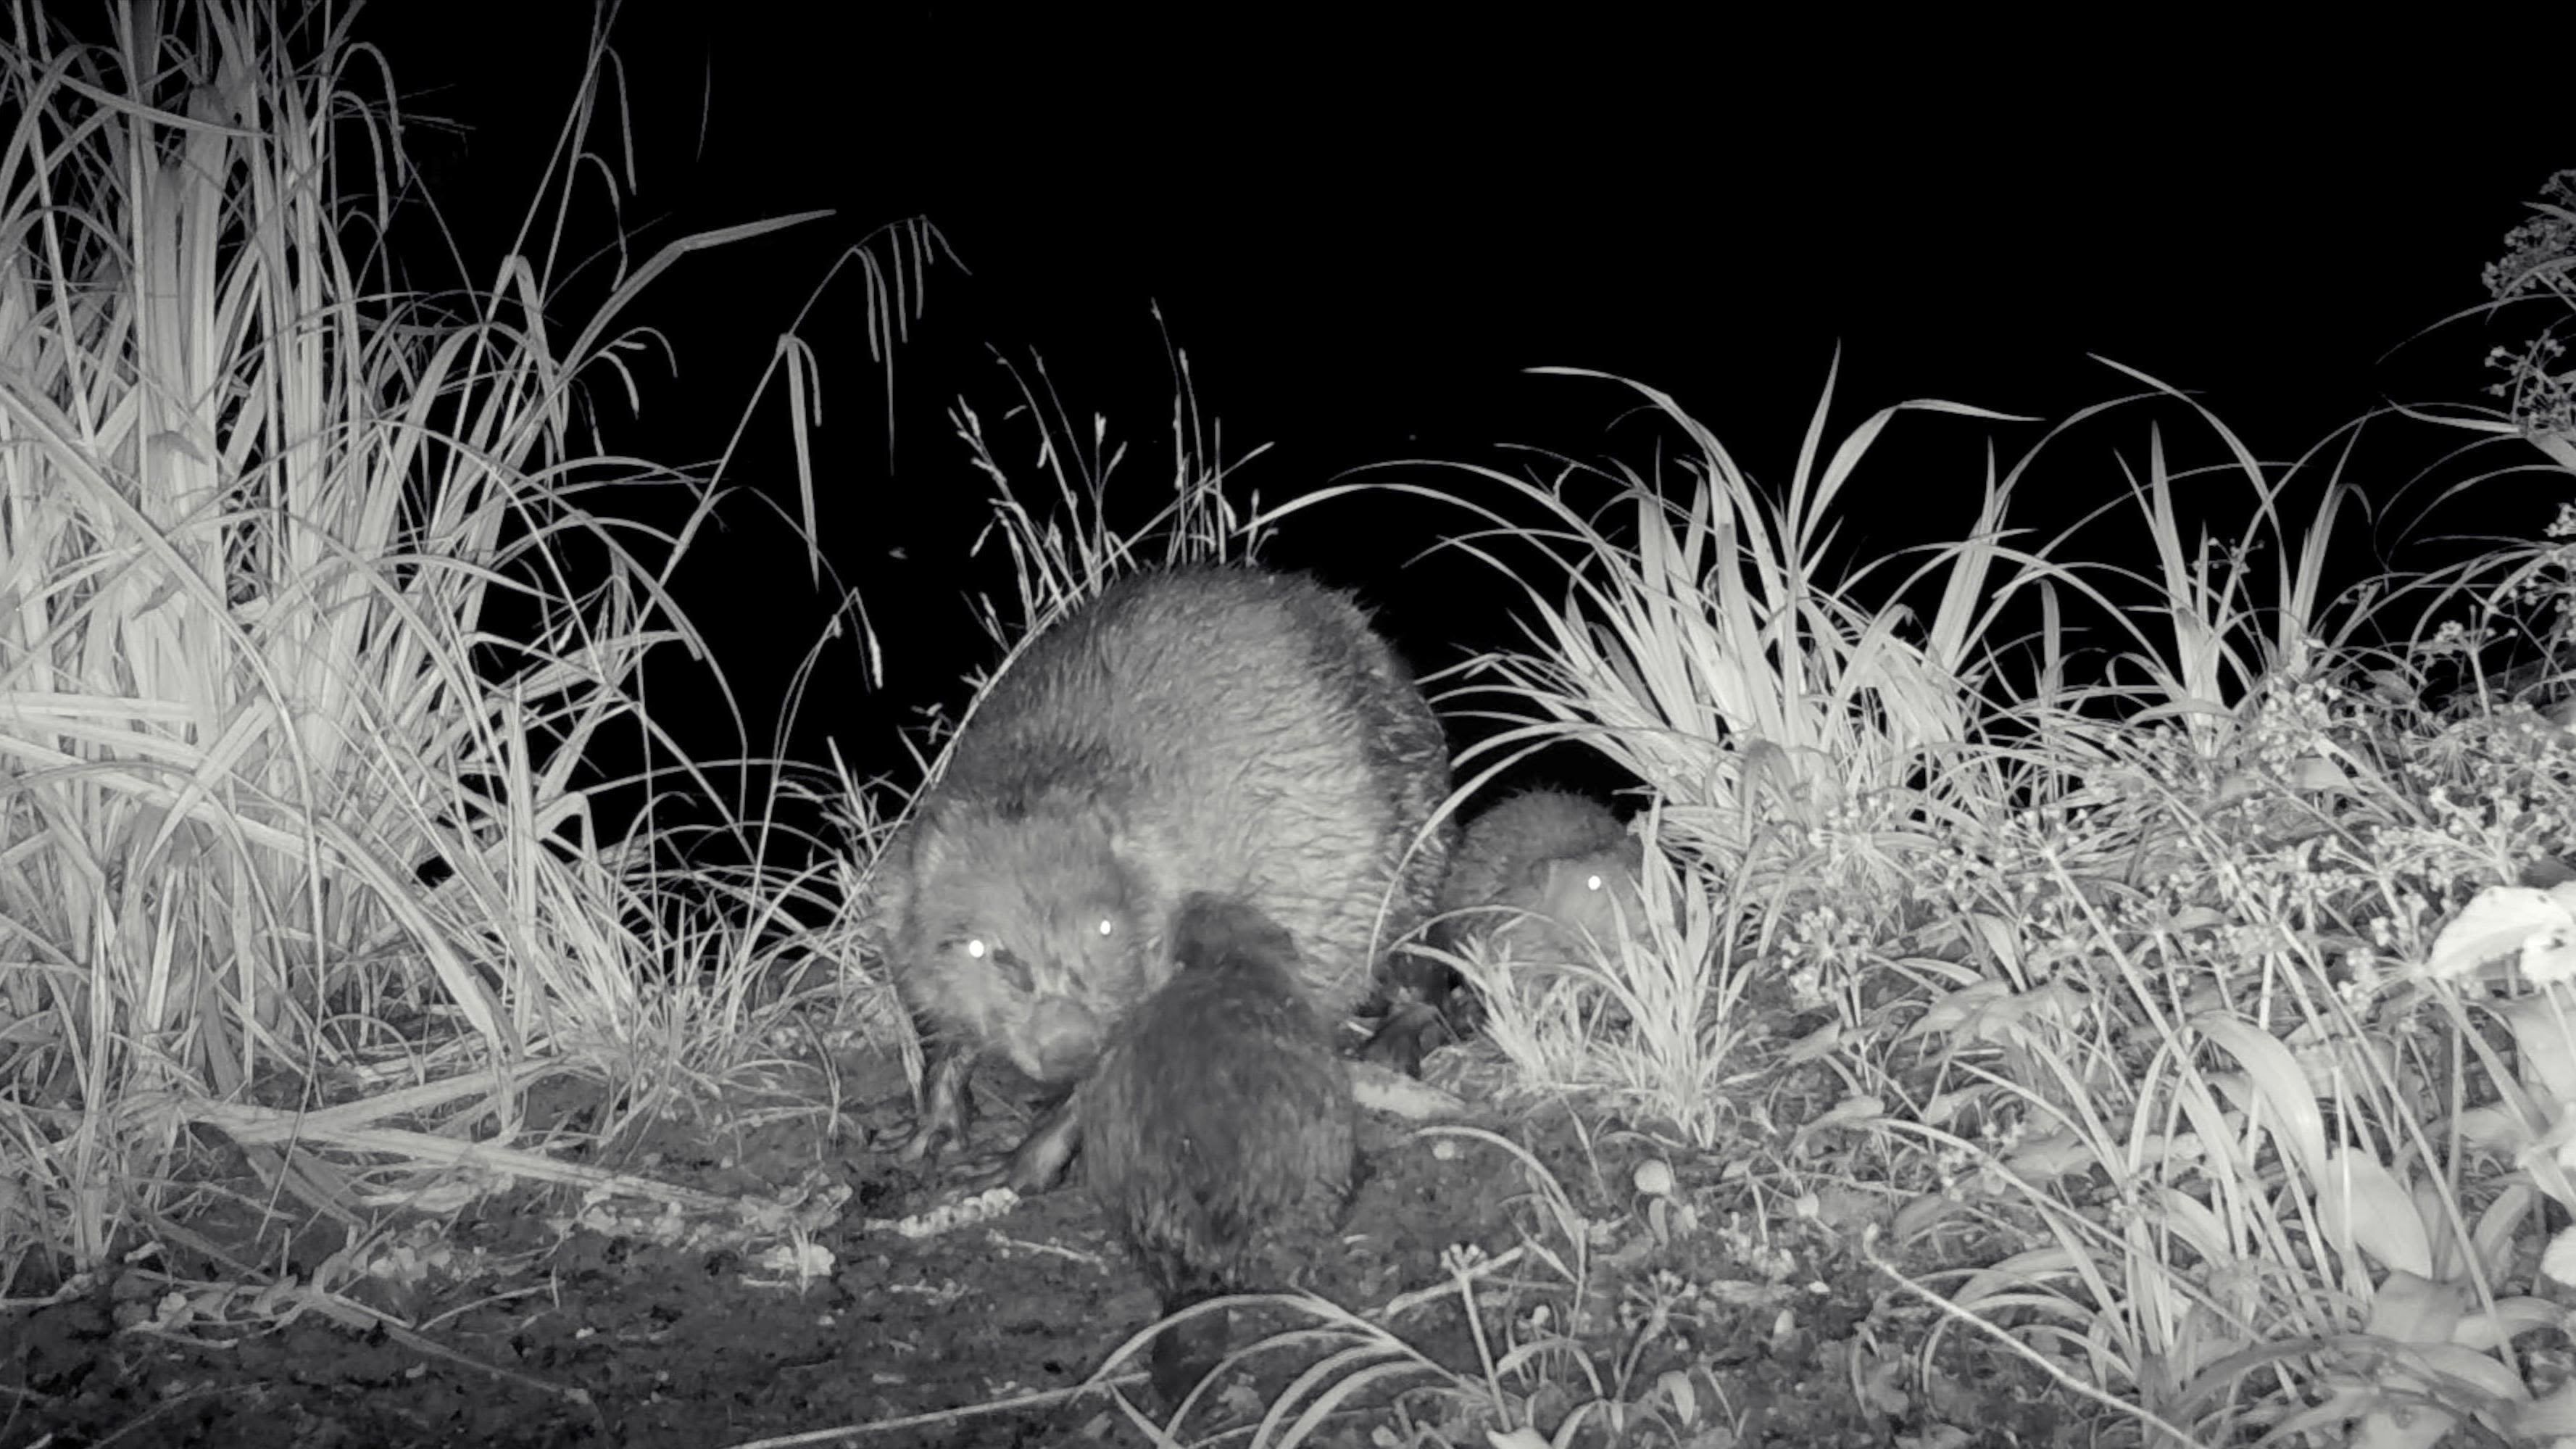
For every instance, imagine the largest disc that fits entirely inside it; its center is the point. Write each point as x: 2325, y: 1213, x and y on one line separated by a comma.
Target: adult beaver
x: 1218, y: 729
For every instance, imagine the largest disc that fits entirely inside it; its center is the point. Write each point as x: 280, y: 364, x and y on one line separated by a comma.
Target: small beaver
x: 1537, y: 871
x: 1219, y: 1125
x: 1531, y: 876
x: 1191, y: 729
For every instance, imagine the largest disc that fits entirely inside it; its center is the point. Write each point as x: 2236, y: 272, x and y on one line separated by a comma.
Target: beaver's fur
x: 1530, y: 877
x: 1219, y: 1125
x: 1196, y: 729
x: 1538, y: 870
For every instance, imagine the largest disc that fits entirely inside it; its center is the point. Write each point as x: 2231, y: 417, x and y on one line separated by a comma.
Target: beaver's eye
x: 1593, y: 882
x: 1002, y: 959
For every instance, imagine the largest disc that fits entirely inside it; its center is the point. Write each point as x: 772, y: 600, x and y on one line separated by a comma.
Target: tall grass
x: 303, y: 605
x: 2121, y: 941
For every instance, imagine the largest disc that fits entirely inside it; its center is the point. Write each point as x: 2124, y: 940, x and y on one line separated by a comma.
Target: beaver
x: 1536, y: 871
x: 1532, y: 874
x: 1219, y: 1125
x: 1225, y: 729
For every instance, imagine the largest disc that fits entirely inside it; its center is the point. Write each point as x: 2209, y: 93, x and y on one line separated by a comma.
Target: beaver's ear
x: 916, y: 847
x: 891, y: 874
x: 1112, y: 823
x: 1133, y: 865
x: 1197, y: 933
x: 1538, y: 878
x: 925, y: 843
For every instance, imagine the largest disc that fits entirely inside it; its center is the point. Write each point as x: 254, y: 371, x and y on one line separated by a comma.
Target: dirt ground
x: 1712, y: 1315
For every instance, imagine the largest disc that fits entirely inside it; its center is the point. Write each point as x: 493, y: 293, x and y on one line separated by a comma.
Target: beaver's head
x: 1591, y: 891
x: 1556, y: 904
x: 1028, y: 930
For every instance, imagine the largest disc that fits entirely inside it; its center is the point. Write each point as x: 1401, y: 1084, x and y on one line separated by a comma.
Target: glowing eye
x: 1108, y: 927
x: 977, y: 949
x: 1592, y: 882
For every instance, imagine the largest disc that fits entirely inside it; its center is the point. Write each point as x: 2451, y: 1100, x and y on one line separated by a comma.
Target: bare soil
x: 1719, y: 1314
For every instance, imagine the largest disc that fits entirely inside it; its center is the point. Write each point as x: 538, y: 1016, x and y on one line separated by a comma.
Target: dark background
x: 1362, y: 231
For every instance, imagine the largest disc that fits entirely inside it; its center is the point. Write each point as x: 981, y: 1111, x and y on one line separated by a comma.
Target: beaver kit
x: 1219, y: 1125
x: 1538, y: 871
x: 1530, y: 877
x: 1196, y: 729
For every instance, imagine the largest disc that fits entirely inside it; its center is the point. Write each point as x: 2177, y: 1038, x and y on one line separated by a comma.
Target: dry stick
x: 351, y: 1314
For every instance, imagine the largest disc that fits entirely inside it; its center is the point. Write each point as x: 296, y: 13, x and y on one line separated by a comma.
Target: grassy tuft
x: 308, y: 626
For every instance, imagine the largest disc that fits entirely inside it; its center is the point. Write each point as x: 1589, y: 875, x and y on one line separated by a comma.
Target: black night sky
x: 1363, y: 231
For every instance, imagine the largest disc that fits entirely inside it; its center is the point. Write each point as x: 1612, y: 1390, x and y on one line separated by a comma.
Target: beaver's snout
x: 1061, y: 1042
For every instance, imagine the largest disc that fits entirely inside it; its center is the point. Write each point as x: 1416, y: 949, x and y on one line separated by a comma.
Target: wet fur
x: 1202, y: 729
x: 1219, y: 1125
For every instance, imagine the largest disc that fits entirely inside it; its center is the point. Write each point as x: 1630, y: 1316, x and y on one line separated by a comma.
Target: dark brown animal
x: 1219, y: 1126
x: 1200, y: 729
